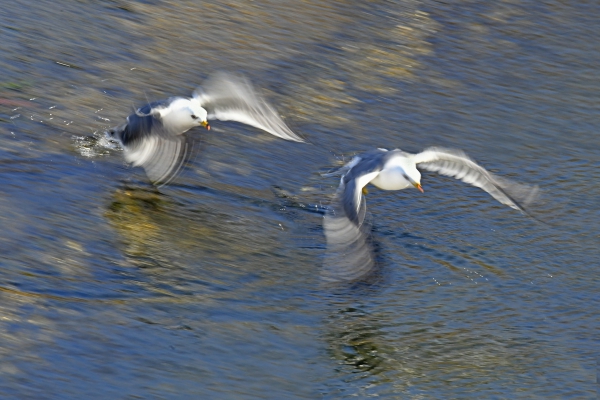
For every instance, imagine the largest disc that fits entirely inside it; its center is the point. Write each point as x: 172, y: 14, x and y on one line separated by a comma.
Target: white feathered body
x: 393, y: 175
x: 179, y: 113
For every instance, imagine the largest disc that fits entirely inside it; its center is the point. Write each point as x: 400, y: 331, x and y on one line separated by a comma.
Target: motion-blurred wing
x: 160, y: 152
x: 352, y: 198
x: 231, y: 98
x: 457, y: 164
x: 349, y: 255
x: 364, y: 168
x: 162, y: 159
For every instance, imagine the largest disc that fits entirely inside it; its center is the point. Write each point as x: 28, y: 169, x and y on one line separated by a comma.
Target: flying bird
x: 153, y: 137
x: 397, y: 170
x: 347, y: 231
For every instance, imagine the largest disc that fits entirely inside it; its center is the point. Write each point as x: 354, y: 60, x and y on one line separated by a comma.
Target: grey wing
x: 153, y: 108
x: 161, y: 158
x: 144, y: 123
x: 349, y: 255
x: 231, y: 98
x: 457, y: 164
x: 160, y: 152
x: 365, y: 167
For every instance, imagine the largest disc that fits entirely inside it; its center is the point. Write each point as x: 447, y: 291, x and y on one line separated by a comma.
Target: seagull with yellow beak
x: 350, y: 255
x: 396, y: 170
x: 153, y: 136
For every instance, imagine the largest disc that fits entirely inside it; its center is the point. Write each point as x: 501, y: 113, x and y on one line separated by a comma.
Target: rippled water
x: 210, y: 288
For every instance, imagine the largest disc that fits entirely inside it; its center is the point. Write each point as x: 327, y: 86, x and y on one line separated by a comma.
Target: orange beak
x: 205, y: 124
x: 418, y: 186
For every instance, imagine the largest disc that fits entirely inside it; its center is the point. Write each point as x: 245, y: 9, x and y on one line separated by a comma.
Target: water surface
x: 210, y: 288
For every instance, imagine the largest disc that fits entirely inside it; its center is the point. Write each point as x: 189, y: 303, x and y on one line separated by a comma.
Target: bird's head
x: 413, y: 175
x: 198, y: 114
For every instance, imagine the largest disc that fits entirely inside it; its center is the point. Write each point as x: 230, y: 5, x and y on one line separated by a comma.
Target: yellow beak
x: 418, y: 186
x: 205, y: 124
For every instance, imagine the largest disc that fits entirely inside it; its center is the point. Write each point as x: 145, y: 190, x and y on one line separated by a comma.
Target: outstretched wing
x: 231, y: 98
x: 457, y: 164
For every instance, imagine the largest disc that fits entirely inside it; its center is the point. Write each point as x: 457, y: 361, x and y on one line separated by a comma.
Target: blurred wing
x: 457, y: 164
x: 349, y: 256
x: 231, y: 98
x: 161, y: 158
x: 351, y: 196
x: 363, y: 169
x: 160, y: 152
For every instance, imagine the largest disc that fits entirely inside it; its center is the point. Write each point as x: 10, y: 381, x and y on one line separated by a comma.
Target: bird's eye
x: 194, y: 116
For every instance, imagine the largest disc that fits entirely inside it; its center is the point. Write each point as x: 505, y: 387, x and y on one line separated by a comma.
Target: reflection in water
x: 357, y: 343
x: 131, y: 214
x: 354, y: 341
x: 382, y: 350
x: 181, y: 246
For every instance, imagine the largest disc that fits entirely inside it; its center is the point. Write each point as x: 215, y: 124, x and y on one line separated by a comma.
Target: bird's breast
x: 391, y: 179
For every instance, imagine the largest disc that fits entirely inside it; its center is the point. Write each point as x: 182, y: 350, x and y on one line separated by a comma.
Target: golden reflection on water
x: 130, y: 214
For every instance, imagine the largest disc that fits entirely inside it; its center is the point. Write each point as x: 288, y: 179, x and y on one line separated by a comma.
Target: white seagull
x: 350, y: 255
x: 153, y: 136
x: 396, y: 170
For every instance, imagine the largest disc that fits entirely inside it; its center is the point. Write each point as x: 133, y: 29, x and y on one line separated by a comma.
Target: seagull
x: 397, y: 170
x: 350, y: 254
x: 153, y: 136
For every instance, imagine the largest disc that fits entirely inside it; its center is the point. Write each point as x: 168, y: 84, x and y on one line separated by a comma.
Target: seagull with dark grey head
x: 348, y: 244
x: 153, y: 136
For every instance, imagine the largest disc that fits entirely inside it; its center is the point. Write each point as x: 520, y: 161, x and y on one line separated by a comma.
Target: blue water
x: 210, y: 288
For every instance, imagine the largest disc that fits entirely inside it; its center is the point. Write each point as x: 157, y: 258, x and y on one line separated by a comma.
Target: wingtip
x: 300, y: 140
